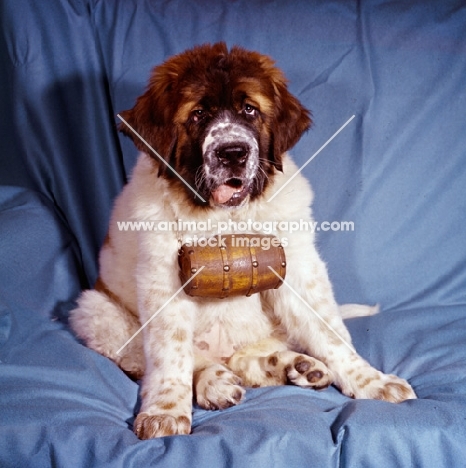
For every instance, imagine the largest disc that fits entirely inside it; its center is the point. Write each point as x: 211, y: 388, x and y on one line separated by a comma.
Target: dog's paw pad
x: 308, y: 372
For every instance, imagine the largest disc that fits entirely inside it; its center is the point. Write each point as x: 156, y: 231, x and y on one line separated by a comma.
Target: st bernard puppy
x: 223, y: 120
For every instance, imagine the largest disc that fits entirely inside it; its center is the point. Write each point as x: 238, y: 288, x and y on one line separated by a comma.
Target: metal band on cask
x: 234, y: 265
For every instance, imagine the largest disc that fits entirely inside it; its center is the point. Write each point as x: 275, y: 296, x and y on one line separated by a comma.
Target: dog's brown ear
x: 151, y: 117
x: 291, y: 120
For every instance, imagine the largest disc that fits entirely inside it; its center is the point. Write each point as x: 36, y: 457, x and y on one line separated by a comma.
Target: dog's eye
x: 198, y: 115
x: 249, y: 110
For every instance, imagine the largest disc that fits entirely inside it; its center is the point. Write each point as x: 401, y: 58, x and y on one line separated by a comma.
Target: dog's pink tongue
x: 223, y: 193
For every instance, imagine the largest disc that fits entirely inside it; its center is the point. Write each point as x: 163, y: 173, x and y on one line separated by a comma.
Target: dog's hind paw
x: 216, y: 387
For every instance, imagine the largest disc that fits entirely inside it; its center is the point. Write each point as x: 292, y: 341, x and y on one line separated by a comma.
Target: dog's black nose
x: 232, y: 154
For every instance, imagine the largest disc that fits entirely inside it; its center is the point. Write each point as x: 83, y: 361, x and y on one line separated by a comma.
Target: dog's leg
x: 105, y: 326
x: 269, y: 362
x: 166, y: 390
x: 308, y: 311
x: 167, y: 315
x: 215, y: 386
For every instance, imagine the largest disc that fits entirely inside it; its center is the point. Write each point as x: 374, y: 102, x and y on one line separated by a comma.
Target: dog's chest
x: 224, y: 326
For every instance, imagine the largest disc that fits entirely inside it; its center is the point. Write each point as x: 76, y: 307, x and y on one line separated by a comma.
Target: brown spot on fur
x: 202, y: 345
x: 180, y: 335
x: 273, y: 360
x: 219, y: 373
x: 365, y: 383
x: 168, y: 406
x: 184, y: 423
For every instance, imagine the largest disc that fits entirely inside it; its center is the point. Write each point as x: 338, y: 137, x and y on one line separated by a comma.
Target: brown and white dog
x: 224, y: 120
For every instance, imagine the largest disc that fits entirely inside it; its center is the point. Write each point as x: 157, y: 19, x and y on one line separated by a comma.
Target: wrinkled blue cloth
x: 397, y: 171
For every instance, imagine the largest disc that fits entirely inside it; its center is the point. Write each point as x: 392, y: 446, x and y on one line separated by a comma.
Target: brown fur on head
x: 206, y: 86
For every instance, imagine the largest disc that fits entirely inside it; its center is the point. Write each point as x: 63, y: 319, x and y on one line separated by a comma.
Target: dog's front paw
x: 308, y: 372
x: 385, y: 387
x: 216, y: 387
x: 393, y: 389
x: 149, y: 426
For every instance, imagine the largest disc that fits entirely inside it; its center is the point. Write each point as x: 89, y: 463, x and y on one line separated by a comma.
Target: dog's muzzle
x: 231, y: 159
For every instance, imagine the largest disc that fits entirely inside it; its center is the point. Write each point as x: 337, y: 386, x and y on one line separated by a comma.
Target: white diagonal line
x: 160, y: 157
x: 313, y: 311
x: 160, y: 310
x: 311, y: 158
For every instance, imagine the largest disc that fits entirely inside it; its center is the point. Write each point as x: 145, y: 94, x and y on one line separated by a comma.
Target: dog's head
x: 222, y: 120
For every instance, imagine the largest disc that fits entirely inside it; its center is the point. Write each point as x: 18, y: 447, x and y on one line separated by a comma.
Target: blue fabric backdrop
x: 397, y: 171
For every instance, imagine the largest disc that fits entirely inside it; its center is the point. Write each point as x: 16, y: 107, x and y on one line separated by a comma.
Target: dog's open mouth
x: 231, y: 193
